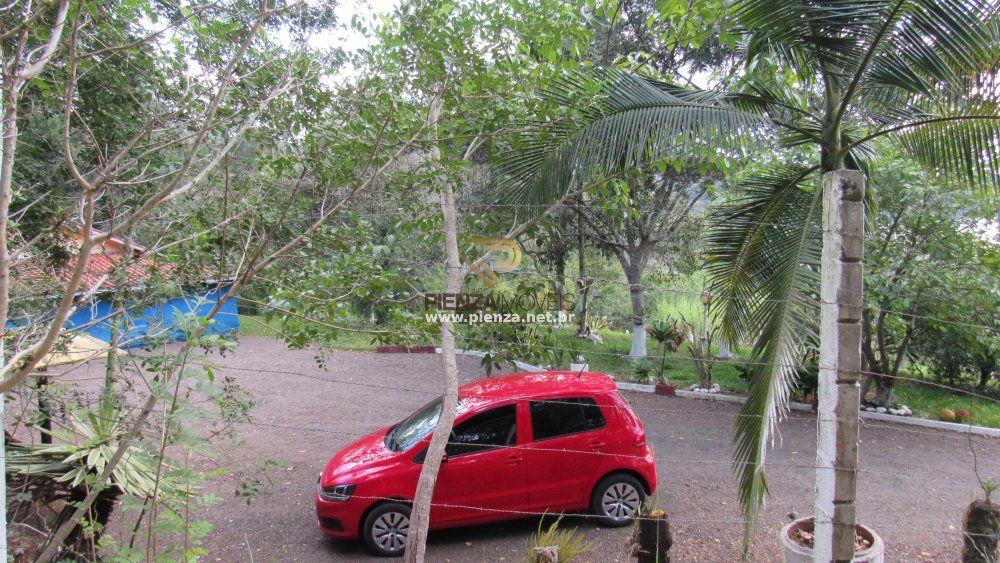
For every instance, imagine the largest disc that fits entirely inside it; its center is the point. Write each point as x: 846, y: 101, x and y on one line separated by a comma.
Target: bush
x: 642, y: 371
x: 571, y: 543
x: 957, y: 354
x: 806, y: 377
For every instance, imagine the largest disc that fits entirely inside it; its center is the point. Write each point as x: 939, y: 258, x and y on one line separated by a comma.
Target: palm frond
x: 745, y: 238
x: 962, y: 143
x: 629, y: 121
x: 763, y: 262
x: 933, y: 49
x: 805, y: 34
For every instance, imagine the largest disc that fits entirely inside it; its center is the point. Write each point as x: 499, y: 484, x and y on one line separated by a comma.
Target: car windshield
x: 419, y: 424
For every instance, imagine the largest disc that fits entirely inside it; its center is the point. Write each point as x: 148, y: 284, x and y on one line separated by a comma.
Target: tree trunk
x: 8, y: 99
x: 885, y: 394
x: 840, y: 365
x: 984, y: 378
x: 561, y: 273
x: 637, y: 295
x: 416, y: 539
x: 584, y: 285
x: 6, y: 192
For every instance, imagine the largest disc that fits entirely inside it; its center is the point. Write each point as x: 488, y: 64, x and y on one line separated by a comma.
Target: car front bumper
x: 339, y: 519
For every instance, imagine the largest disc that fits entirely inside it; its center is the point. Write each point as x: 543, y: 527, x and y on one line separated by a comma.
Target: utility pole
x: 839, y: 365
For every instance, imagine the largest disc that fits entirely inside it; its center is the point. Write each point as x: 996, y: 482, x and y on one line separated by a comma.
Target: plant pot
x: 794, y: 552
x: 666, y: 389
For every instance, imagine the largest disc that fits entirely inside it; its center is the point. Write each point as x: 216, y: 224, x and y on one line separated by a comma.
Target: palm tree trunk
x: 840, y: 364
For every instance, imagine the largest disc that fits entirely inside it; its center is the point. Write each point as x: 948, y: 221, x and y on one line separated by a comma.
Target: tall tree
x: 634, y: 216
x: 831, y: 77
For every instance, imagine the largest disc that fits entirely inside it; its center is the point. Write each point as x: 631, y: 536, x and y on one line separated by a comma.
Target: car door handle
x: 514, y: 459
x: 596, y: 443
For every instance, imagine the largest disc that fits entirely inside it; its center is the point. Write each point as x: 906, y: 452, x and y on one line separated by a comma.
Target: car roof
x: 535, y: 385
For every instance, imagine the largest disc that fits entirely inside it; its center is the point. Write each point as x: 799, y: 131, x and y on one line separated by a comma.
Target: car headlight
x: 337, y: 493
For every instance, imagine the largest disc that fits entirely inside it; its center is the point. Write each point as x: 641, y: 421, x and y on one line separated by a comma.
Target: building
x: 120, y: 276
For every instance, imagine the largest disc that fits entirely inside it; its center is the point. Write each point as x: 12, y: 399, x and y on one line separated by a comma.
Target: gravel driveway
x: 914, y: 486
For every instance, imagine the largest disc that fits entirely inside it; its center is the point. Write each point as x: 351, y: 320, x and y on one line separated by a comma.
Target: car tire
x: 385, y: 528
x: 617, y: 500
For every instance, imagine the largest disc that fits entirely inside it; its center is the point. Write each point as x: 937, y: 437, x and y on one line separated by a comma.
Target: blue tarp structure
x: 160, y: 319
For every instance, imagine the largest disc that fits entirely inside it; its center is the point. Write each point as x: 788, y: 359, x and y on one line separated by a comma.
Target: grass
x: 570, y: 543
x: 609, y: 358
x: 925, y: 401
x: 254, y: 325
x: 929, y: 401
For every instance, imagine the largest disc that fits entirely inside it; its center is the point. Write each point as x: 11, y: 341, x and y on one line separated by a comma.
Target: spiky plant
x: 80, y: 451
x: 834, y: 78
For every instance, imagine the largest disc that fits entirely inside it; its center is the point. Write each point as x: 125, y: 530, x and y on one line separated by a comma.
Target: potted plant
x: 669, y: 337
x: 797, y: 543
x: 981, y: 528
x: 699, y: 336
x: 663, y: 387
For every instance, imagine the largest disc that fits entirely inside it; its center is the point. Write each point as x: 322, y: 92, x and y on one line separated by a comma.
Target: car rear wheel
x: 617, y: 500
x: 385, y: 529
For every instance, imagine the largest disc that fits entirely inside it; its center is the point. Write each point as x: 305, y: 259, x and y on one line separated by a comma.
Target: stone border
x: 911, y: 420
x: 412, y: 349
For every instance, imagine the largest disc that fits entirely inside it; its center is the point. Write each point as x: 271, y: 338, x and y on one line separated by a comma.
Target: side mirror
x: 444, y: 457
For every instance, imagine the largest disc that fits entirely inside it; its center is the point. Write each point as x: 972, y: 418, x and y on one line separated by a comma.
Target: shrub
x: 571, y: 543
x: 598, y: 323
x: 806, y: 376
x: 642, y: 371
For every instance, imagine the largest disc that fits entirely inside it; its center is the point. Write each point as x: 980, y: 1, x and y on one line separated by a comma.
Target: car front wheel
x: 617, y: 500
x: 385, y: 528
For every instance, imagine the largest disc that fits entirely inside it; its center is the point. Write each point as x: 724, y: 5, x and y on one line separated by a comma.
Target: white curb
x: 912, y: 421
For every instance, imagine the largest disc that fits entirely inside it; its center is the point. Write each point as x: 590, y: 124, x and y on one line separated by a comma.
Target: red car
x: 534, y: 442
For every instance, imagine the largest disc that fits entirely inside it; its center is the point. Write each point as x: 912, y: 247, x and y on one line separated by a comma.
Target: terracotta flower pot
x: 794, y: 552
x: 666, y: 389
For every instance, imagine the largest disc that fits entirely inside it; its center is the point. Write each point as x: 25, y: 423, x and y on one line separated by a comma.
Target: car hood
x: 358, y: 460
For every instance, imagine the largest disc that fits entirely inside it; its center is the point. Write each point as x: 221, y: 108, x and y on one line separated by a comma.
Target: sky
x: 344, y: 35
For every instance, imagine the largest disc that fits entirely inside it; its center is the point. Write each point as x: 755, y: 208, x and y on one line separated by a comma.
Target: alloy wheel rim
x: 389, y: 531
x: 620, y: 502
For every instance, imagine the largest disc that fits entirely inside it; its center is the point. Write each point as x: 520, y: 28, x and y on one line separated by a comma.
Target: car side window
x: 559, y: 417
x: 494, y: 428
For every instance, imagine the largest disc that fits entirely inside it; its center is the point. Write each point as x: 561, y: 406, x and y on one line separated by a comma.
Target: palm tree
x: 833, y: 80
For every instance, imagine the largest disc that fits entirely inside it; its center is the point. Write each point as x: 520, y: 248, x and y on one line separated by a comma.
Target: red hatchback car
x: 533, y: 442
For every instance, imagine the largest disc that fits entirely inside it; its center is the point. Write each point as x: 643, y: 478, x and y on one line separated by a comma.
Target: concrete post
x: 840, y: 364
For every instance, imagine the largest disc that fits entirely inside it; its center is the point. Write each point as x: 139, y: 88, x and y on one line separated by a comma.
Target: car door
x: 482, y: 474
x: 567, y: 435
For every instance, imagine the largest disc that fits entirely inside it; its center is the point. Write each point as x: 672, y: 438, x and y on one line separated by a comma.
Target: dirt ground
x: 913, y: 488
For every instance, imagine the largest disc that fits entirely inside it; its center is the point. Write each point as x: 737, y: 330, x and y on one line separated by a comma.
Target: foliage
x: 669, y: 336
x: 926, y: 262
x: 572, y: 543
x: 642, y: 370
x: 956, y: 356
x: 836, y: 78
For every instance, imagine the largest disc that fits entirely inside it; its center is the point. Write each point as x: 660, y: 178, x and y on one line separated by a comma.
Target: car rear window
x: 559, y: 417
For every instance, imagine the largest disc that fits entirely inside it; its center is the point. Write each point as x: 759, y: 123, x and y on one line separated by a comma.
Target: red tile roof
x: 123, y: 265
x: 137, y: 272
